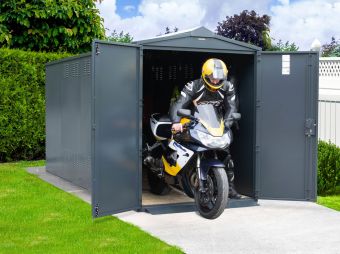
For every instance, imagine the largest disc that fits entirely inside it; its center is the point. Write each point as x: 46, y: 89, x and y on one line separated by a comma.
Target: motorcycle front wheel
x: 211, y: 203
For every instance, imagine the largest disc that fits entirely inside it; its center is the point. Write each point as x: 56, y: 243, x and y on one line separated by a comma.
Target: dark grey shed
x: 98, y: 105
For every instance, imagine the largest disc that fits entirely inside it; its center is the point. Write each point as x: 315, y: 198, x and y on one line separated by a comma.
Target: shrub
x: 53, y: 25
x: 328, y: 167
x: 22, y: 104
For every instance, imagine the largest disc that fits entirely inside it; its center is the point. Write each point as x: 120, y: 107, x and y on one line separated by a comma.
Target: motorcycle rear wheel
x: 211, y: 204
x: 188, y: 187
x: 157, y: 185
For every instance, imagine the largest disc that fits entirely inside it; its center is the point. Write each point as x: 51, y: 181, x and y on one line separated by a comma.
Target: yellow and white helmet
x: 214, y: 68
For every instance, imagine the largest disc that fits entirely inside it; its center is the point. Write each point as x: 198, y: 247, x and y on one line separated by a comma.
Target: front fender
x: 206, y: 164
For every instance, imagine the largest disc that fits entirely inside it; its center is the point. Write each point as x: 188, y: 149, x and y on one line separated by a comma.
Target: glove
x: 228, y: 123
x: 177, y: 127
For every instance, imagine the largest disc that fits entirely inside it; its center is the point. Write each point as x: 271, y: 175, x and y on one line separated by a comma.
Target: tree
x: 168, y: 31
x: 331, y: 49
x: 50, y: 25
x: 287, y: 46
x: 248, y: 27
x: 121, y: 37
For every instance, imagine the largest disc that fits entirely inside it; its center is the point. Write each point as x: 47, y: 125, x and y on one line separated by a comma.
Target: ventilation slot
x: 188, y: 71
x: 157, y: 73
x: 172, y: 72
x: 87, y: 67
x: 75, y: 69
x: 66, y: 70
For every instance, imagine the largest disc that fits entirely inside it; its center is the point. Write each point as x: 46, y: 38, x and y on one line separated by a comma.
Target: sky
x: 298, y: 21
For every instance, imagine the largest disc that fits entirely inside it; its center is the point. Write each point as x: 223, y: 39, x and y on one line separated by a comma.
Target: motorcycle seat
x: 161, y: 118
x: 164, y: 118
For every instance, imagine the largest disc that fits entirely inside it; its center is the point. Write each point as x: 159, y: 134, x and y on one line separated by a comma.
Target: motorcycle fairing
x: 160, y: 126
x: 184, y: 155
x: 216, y: 132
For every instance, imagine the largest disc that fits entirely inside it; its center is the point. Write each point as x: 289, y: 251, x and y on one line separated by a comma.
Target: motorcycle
x: 189, y: 160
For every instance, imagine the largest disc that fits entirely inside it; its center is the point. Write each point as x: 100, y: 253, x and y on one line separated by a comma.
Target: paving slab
x: 270, y: 227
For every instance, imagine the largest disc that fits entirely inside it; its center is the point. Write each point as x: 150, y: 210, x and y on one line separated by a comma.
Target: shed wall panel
x: 68, y: 120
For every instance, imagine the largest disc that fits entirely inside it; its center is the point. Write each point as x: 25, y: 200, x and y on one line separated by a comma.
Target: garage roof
x: 199, y: 37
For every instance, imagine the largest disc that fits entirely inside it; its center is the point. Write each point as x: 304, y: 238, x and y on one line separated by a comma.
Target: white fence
x: 329, y: 99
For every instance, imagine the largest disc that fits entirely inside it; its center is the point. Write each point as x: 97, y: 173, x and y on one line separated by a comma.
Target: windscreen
x: 209, y: 116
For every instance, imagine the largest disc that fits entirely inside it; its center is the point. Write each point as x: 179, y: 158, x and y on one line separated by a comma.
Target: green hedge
x: 22, y: 104
x: 328, y: 168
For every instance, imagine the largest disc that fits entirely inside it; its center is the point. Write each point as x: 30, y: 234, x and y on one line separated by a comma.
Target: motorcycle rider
x: 212, y: 88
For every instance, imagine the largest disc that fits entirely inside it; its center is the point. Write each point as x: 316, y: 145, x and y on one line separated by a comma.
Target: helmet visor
x: 217, y: 74
x: 214, y: 82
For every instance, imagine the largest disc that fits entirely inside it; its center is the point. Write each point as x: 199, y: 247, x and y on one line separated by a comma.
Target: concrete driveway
x: 270, y: 227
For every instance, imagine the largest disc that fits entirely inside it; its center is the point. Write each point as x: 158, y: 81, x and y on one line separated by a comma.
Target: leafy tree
x: 287, y: 46
x: 331, y: 49
x: 168, y: 30
x: 50, y: 25
x: 248, y: 27
x: 121, y: 37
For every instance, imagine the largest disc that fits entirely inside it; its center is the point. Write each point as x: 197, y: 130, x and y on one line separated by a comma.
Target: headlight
x: 214, y: 142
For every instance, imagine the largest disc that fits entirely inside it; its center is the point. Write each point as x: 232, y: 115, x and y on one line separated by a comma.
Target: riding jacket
x: 195, y: 93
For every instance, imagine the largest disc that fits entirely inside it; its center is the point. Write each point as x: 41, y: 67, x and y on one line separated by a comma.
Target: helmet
x: 214, y: 68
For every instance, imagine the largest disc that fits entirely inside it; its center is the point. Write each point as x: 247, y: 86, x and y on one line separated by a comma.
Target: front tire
x: 212, y: 203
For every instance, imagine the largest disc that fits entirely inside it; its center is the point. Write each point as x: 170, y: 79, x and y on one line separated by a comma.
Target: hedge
x: 22, y: 103
x: 328, y: 168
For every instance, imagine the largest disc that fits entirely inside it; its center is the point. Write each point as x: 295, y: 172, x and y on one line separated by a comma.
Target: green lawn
x: 332, y: 201
x: 36, y: 217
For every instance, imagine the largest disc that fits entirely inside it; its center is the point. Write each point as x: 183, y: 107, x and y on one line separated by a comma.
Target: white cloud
x: 299, y: 21
x: 154, y: 16
x: 129, y: 8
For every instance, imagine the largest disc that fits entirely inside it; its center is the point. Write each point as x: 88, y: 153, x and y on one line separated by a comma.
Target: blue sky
x: 299, y: 21
x: 127, y: 8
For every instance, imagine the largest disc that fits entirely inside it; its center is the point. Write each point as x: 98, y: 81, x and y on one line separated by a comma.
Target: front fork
x: 203, y: 166
x: 199, y: 174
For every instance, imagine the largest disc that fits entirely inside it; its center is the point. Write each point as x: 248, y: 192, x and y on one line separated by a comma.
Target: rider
x: 212, y: 88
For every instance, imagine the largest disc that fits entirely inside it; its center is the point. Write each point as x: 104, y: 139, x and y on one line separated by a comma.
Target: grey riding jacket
x: 195, y: 93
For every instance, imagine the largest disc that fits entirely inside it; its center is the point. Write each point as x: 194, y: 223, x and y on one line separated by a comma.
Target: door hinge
x: 310, y: 127
x: 96, y: 210
x: 97, y: 49
x: 258, y: 55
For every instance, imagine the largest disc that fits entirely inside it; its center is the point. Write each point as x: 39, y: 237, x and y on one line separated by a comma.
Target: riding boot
x: 230, y: 173
x: 232, y: 191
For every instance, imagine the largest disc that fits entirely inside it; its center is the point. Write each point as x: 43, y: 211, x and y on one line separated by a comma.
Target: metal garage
x: 97, y: 106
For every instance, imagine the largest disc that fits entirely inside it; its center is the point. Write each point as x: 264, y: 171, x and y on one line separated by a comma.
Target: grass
x: 331, y: 201
x: 36, y: 217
